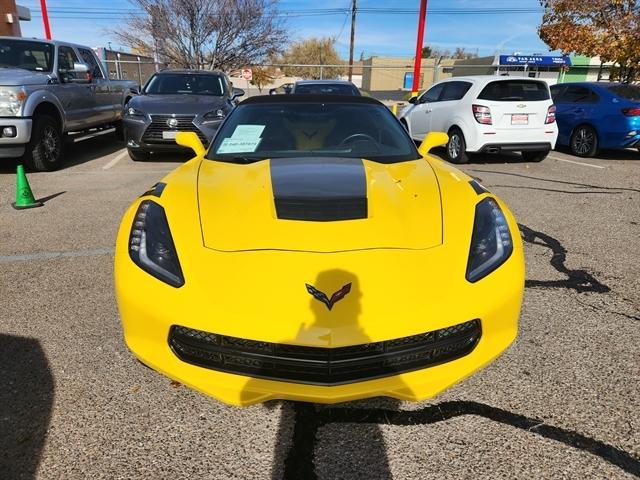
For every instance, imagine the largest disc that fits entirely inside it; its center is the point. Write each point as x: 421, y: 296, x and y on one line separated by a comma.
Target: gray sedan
x: 176, y: 101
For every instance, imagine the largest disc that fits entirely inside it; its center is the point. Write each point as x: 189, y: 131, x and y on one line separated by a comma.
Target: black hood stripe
x: 319, y: 189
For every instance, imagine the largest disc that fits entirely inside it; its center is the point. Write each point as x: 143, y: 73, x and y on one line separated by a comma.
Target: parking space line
x: 52, y: 255
x: 118, y: 157
x: 574, y: 162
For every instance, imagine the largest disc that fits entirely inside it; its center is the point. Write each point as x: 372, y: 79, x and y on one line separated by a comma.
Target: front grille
x: 323, y: 366
x: 153, y: 133
x: 321, y: 210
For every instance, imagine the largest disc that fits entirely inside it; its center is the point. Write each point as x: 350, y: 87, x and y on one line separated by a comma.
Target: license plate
x: 520, y: 119
x: 169, y: 134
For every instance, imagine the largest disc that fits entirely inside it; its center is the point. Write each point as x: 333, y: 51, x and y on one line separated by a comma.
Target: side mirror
x: 236, y: 92
x: 431, y: 141
x: 80, y: 67
x: 413, y: 100
x: 190, y: 140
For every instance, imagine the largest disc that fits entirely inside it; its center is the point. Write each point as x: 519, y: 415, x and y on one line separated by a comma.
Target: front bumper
x: 145, y: 132
x: 11, y: 147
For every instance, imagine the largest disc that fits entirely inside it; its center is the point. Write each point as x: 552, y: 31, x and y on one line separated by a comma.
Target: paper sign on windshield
x: 245, y: 138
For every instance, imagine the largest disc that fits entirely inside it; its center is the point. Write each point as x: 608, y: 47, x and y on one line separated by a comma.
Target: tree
x: 609, y: 29
x: 462, y: 54
x: 213, y: 34
x: 262, y: 76
x: 314, y: 51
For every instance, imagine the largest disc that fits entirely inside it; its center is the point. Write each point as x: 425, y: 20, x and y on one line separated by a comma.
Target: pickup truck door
x: 421, y: 113
x: 76, y: 98
x: 104, y: 106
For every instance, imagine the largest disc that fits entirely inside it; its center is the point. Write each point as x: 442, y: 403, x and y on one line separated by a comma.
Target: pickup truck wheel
x: 138, y: 155
x: 535, y: 156
x: 44, y: 150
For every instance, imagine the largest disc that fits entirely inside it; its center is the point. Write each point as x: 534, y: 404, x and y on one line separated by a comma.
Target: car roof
x: 50, y: 42
x: 304, y: 98
x: 489, y: 78
x: 324, y: 82
x: 190, y: 72
x: 593, y: 84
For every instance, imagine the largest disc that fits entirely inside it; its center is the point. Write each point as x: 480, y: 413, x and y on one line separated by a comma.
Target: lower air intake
x: 323, y: 366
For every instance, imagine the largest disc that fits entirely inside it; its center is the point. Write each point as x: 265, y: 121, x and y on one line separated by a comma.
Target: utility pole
x: 353, y: 34
x: 419, y: 40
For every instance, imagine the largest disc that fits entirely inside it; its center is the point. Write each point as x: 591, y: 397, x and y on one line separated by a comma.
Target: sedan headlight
x: 491, y: 242
x: 214, y: 116
x: 151, y: 246
x: 133, y: 112
x: 11, y: 100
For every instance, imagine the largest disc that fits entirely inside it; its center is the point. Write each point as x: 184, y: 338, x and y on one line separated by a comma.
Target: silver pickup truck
x: 48, y: 89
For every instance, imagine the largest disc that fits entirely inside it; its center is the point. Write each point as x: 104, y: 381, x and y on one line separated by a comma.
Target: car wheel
x: 457, y: 147
x: 44, y: 151
x: 584, y: 142
x: 535, y: 156
x: 138, y: 155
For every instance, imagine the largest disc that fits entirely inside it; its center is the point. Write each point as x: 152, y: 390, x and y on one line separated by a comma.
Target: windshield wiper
x: 244, y: 159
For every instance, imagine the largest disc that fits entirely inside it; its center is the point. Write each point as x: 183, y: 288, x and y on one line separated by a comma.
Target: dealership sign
x: 546, y: 61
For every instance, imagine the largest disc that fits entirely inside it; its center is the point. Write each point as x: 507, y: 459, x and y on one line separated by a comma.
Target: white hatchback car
x: 488, y: 114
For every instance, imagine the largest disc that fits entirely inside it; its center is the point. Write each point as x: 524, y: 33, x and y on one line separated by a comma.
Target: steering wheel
x: 360, y: 136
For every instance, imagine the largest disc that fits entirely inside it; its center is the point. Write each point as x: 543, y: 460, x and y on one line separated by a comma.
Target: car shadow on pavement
x: 76, y: 152
x: 485, y: 158
x: 26, y: 400
x: 299, y: 460
x: 608, y: 154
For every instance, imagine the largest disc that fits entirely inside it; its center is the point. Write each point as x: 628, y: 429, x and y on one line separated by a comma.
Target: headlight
x: 214, y: 116
x: 151, y: 246
x: 491, y: 243
x: 11, y: 100
x: 133, y: 112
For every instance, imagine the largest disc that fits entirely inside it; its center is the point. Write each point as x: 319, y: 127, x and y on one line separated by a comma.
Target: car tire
x: 43, y: 153
x: 584, y: 142
x: 138, y: 155
x: 456, y: 149
x: 536, y: 156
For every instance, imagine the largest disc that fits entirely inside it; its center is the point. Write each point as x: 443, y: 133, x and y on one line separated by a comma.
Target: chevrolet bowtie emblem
x: 322, y: 297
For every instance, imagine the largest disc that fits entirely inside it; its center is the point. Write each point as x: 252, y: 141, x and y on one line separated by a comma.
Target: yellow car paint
x: 404, y: 281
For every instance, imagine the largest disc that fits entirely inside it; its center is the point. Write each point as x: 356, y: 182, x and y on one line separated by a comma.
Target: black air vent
x: 319, y: 189
x: 321, y: 210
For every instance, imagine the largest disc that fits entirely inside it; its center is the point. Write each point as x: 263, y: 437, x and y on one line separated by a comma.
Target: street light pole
x: 418, y: 62
x: 353, y: 34
x: 45, y: 19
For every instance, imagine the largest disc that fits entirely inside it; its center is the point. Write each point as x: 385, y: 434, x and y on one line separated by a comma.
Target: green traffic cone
x: 24, y: 195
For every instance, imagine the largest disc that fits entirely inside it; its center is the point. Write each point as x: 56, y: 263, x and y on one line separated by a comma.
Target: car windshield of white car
x: 515, y: 91
x: 27, y: 55
x: 258, y: 131
x: 185, y: 84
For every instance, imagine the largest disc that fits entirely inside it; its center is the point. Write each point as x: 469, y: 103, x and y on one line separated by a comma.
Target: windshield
x: 255, y: 132
x: 630, y: 92
x: 185, y: 84
x: 325, y: 89
x: 33, y: 56
x: 515, y: 91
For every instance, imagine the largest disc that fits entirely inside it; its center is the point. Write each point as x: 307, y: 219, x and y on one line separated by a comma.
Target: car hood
x: 19, y: 76
x: 178, y: 104
x: 319, y: 205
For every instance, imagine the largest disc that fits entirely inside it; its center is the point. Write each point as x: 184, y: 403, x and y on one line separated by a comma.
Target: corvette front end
x: 409, y: 295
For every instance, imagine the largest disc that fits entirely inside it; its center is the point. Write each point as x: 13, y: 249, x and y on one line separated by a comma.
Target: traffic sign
x: 247, y: 74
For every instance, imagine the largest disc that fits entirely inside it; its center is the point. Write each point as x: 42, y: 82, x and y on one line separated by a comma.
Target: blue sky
x: 376, y: 34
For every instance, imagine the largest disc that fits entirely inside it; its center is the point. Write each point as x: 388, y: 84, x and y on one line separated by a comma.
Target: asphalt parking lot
x: 562, y: 402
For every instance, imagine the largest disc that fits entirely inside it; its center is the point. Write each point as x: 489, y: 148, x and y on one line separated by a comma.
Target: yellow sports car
x: 315, y: 254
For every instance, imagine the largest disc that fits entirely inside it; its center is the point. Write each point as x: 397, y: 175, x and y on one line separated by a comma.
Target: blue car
x: 592, y: 116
